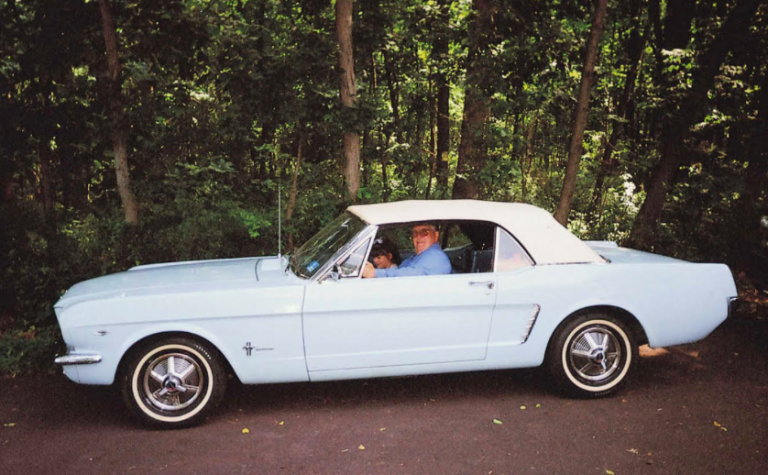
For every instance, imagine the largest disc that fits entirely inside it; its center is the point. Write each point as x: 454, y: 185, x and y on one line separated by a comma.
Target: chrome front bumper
x: 77, y: 359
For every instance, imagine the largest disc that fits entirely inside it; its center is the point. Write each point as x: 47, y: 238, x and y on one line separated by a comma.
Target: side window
x: 350, y: 267
x: 469, y: 245
x: 453, y: 237
x: 510, y: 255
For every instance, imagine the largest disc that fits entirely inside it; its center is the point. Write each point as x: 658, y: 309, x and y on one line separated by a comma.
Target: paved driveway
x: 695, y: 409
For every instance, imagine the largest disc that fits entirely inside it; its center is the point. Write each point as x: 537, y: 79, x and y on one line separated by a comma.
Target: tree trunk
x: 443, y: 136
x: 348, y: 89
x: 580, y: 122
x: 526, y: 161
x: 432, y: 139
x: 292, y: 194
x: 477, y: 107
x: 471, y: 149
x: 46, y: 189
x: 384, y: 162
x: 692, y: 108
x: 752, y: 205
x: 394, y: 94
x: 635, y: 47
x: 117, y: 117
x: 443, y: 89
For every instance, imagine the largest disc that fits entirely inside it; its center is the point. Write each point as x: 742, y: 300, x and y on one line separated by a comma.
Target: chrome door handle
x: 488, y: 284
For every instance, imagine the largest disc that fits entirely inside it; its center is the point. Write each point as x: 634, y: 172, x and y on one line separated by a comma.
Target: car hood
x: 191, y: 276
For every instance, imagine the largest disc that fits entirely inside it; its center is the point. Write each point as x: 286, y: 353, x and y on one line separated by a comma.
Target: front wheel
x: 173, y: 382
x: 592, y: 355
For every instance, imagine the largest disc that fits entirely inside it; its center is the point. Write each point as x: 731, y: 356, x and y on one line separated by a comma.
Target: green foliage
x: 28, y: 350
x: 219, y: 95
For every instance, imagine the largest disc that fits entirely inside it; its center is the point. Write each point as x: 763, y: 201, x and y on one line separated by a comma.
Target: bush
x: 29, y: 350
x: 43, y: 254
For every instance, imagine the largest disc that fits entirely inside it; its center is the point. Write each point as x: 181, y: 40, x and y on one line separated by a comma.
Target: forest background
x: 134, y: 132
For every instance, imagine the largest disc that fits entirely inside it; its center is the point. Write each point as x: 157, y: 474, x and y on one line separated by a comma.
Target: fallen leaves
x: 720, y: 426
x: 633, y: 451
x: 9, y: 424
x: 361, y: 447
x: 524, y: 407
x: 246, y: 431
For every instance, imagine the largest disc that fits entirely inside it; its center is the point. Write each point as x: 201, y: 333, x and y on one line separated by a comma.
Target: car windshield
x: 311, y: 257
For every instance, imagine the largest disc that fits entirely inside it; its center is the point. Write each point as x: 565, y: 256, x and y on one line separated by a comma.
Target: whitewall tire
x: 173, y: 382
x: 592, y: 355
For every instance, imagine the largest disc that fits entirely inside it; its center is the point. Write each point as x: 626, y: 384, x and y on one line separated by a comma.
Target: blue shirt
x: 431, y: 261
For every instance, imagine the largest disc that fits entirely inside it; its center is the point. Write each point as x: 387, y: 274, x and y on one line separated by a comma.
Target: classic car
x: 523, y: 292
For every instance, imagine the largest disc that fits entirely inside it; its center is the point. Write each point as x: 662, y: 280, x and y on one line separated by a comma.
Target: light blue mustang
x: 523, y: 292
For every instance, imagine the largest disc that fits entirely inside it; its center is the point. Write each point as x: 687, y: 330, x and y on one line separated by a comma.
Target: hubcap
x: 172, y: 381
x: 595, y: 354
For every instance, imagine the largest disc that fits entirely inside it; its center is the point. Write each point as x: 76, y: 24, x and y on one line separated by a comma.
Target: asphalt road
x: 695, y: 409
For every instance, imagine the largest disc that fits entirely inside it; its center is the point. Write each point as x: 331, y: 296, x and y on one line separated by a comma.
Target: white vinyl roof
x: 547, y: 241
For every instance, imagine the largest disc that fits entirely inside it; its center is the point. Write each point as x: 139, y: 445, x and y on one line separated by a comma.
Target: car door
x: 366, y: 323
x: 353, y: 323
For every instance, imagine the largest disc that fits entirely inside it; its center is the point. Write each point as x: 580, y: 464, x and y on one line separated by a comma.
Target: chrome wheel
x: 591, y: 355
x: 595, y: 354
x: 172, y: 382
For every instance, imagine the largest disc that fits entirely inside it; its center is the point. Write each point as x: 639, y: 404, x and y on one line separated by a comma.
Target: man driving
x: 428, y: 260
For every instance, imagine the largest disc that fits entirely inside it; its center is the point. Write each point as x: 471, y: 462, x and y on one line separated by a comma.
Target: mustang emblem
x: 249, y: 348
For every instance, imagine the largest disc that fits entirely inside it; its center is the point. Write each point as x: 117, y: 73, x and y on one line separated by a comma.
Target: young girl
x: 384, y: 254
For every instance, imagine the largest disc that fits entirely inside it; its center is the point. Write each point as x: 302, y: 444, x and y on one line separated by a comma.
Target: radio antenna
x: 279, y: 222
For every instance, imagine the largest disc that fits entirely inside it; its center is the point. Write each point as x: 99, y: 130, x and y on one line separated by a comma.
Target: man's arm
x: 402, y: 271
x: 430, y: 262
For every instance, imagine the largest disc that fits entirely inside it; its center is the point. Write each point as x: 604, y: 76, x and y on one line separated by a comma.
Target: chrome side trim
x: 77, y: 359
x: 731, y: 305
x: 531, y: 322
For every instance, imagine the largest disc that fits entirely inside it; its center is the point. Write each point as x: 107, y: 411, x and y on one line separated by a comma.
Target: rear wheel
x: 592, y: 355
x: 173, y: 382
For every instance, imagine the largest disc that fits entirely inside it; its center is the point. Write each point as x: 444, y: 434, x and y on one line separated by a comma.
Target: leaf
x: 281, y: 423
x: 538, y: 406
x: 10, y: 424
x: 382, y: 429
x: 496, y: 421
x: 246, y: 431
x: 717, y: 424
x: 361, y: 447
x: 632, y: 451
x: 610, y: 472
x: 522, y: 408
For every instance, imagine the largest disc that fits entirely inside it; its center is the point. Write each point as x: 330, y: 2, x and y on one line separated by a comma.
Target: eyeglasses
x: 421, y: 232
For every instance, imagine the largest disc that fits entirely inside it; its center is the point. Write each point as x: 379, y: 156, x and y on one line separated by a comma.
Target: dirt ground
x: 694, y: 409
